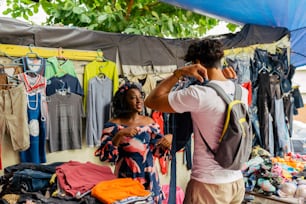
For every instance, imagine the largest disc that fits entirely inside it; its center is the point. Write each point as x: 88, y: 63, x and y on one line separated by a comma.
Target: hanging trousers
x: 264, y: 100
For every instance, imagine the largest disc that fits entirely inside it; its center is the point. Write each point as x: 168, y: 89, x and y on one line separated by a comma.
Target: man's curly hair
x: 120, y: 107
x: 208, y: 51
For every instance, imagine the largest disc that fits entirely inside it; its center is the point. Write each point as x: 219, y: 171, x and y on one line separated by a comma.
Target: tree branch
x: 129, y: 9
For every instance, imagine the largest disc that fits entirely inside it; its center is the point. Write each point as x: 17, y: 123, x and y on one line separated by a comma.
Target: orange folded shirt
x: 118, y: 189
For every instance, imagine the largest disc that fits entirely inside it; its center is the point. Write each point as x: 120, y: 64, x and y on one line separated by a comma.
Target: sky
x: 219, y: 29
x: 38, y: 18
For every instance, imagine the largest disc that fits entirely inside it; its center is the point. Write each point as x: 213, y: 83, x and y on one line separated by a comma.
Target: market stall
x: 263, y: 52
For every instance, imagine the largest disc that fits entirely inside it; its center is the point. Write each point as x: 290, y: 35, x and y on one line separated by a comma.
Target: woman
x: 132, y: 140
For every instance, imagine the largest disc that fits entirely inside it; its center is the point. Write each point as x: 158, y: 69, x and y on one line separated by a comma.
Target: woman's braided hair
x: 120, y: 107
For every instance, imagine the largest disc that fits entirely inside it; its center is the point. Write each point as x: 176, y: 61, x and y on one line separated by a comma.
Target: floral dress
x: 134, y: 156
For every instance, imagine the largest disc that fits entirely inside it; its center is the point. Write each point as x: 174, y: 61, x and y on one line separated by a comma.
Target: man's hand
x: 194, y: 70
x: 158, y: 97
x: 229, y: 73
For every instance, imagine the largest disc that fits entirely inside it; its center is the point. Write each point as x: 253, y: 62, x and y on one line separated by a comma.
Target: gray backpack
x: 235, y: 143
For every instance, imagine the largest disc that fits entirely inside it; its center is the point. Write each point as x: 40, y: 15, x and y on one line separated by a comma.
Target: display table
x: 262, y: 199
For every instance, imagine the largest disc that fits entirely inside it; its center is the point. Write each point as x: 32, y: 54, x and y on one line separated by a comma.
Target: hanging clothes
x: 66, y: 81
x: 99, y: 97
x: 65, y: 121
x: 58, y: 67
x: 94, y: 68
x: 13, y: 117
x: 35, y: 86
x: 5, y: 72
x: 4, y: 81
x: 35, y: 64
x: 264, y: 105
x: 241, y: 64
x: 37, y: 129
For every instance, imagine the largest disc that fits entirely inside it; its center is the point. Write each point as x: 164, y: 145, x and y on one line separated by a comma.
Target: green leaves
x: 102, y: 18
x: 142, y: 17
x: 85, y: 19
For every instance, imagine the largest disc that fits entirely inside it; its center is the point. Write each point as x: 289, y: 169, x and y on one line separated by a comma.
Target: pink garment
x: 77, y: 178
x: 179, y: 194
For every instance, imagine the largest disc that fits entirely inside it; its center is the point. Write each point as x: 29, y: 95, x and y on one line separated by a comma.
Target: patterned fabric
x: 134, y: 155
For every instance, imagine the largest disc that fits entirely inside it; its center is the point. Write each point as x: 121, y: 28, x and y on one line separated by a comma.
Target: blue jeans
x: 241, y: 65
x: 282, y: 128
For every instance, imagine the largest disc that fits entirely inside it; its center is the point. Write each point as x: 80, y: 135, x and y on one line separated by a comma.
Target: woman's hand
x: 128, y: 132
x: 166, y: 141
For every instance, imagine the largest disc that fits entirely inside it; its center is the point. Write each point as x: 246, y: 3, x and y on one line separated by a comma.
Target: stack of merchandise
x: 282, y: 177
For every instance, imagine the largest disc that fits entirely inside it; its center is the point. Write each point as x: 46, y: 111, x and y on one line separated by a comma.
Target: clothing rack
x: 270, y: 47
x: 71, y: 54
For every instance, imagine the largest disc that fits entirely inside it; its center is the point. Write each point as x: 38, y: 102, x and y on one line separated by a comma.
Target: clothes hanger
x: 99, y: 57
x: 14, y: 61
x: 61, y: 59
x: 263, y: 69
x: 9, y: 78
x: 32, y: 54
x: 32, y: 62
x: 63, y: 90
x: 3, y: 54
x: 14, y: 78
x: 60, y: 56
x: 2, y: 71
x: 101, y: 74
x: 121, y: 76
x: 276, y: 71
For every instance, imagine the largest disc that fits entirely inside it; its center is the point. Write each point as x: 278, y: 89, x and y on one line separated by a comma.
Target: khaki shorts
x: 14, y: 118
x: 203, y: 193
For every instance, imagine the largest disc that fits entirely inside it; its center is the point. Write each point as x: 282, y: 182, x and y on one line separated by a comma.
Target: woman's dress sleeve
x: 107, y: 151
x: 158, y: 151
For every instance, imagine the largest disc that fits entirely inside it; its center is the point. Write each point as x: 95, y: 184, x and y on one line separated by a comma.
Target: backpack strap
x: 209, y: 148
x: 238, y: 92
x: 223, y: 95
x: 226, y: 98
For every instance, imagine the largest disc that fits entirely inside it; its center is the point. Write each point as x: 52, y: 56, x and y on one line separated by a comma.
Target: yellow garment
x: 95, y: 68
x: 117, y: 189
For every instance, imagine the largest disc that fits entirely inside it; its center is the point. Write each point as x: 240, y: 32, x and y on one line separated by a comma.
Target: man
x: 209, y: 183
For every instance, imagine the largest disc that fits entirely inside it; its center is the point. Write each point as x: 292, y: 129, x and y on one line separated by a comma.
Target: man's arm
x: 158, y: 97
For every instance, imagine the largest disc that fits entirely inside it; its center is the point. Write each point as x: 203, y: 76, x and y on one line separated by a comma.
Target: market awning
x: 281, y: 13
